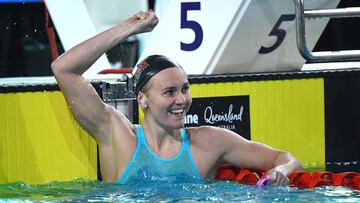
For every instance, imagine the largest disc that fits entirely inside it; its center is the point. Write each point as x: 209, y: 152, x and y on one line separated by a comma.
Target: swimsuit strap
x: 185, y: 140
x: 186, y: 147
x: 140, y: 134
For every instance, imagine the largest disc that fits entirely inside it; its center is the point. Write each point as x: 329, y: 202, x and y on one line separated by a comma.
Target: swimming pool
x: 84, y: 190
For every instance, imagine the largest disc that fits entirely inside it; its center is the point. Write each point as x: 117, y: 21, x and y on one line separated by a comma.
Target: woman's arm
x: 244, y: 153
x: 88, y: 109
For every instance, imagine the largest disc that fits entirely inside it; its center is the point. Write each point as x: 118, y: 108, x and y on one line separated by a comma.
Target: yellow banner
x: 40, y: 140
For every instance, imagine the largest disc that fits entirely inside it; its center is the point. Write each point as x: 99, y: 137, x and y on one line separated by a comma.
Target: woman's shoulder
x: 205, y: 133
x: 120, y: 119
x: 206, y: 130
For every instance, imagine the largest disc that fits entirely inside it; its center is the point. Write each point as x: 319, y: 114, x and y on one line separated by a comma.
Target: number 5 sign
x: 191, y: 24
x: 212, y: 36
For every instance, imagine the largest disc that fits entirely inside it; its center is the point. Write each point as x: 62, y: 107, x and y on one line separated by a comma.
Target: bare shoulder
x: 206, y: 135
x: 116, y: 128
x: 208, y: 131
x: 210, y: 143
x: 201, y: 130
x: 214, y: 136
x: 121, y: 122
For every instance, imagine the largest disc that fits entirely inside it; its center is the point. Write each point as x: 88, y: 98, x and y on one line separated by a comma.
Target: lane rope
x: 299, y: 179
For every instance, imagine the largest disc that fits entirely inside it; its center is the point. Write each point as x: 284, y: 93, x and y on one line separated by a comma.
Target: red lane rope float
x: 300, y: 179
x: 51, y: 34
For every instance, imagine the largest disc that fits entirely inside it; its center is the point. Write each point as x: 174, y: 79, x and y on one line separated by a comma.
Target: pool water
x: 83, y: 190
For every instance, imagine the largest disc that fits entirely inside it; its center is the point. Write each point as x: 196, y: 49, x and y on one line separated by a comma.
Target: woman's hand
x: 143, y: 21
x: 277, y: 178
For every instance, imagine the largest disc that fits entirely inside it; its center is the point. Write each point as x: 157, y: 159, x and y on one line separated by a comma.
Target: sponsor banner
x: 232, y: 113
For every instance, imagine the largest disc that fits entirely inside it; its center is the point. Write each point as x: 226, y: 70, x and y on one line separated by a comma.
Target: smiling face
x: 167, y: 98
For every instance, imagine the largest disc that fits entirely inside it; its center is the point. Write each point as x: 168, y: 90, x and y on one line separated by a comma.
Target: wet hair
x: 149, y: 67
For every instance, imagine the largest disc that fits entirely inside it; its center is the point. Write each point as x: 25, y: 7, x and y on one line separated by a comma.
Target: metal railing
x: 322, y: 56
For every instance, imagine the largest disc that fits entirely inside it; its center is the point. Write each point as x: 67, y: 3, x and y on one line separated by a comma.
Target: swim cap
x: 149, y: 67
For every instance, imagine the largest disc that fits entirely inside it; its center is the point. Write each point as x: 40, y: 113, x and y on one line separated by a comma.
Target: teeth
x: 177, y: 111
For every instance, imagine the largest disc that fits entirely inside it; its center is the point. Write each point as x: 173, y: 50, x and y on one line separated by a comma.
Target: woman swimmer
x: 161, y: 146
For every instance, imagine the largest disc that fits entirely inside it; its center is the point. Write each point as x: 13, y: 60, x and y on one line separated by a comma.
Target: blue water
x: 82, y: 190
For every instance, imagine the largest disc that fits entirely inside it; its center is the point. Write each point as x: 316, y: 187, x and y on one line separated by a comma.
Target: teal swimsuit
x: 145, y: 165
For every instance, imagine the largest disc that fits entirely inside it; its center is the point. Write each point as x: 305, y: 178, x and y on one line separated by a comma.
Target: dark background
x: 25, y: 49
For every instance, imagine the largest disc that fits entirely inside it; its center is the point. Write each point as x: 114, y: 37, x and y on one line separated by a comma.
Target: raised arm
x: 87, y: 107
x: 245, y: 153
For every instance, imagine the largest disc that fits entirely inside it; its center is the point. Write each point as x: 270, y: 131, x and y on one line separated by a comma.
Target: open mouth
x: 178, y: 111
